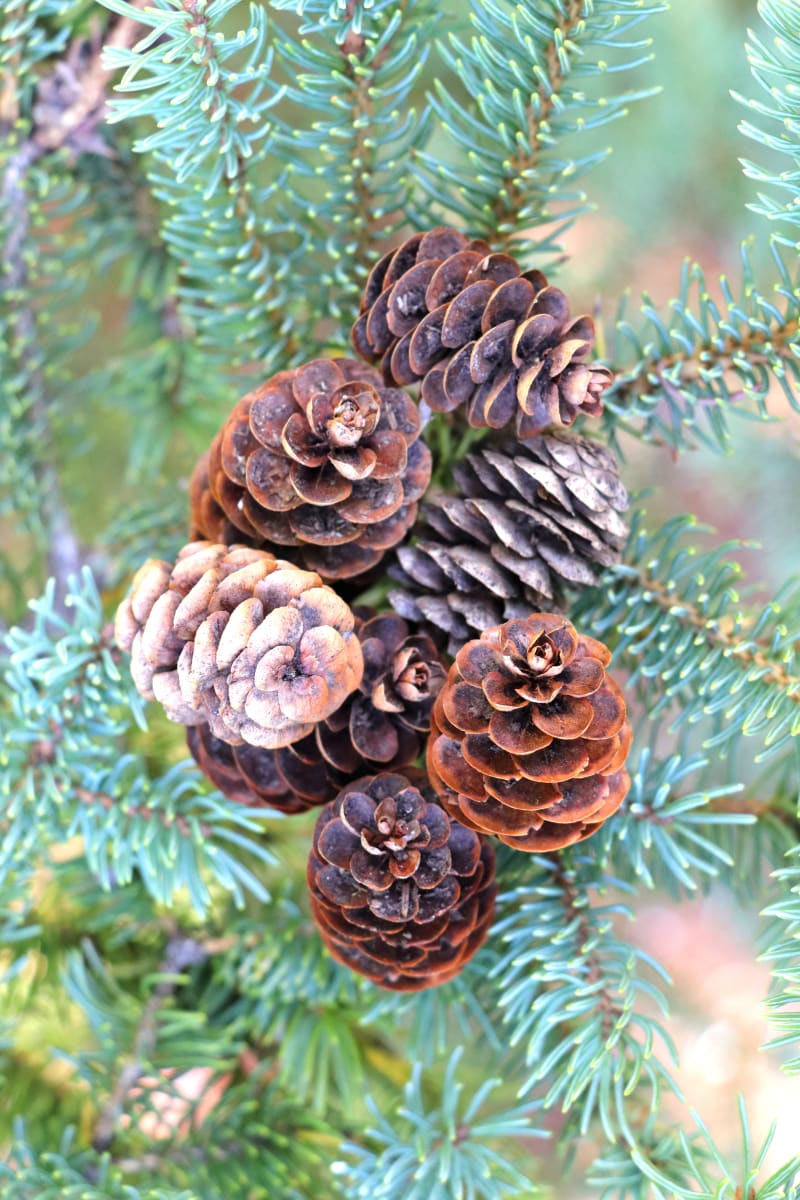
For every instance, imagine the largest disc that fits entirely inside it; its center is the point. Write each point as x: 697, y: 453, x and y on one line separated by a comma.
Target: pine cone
x: 529, y: 518
x: 530, y: 735
x: 384, y: 724
x: 480, y: 332
x: 292, y: 779
x: 401, y: 893
x: 235, y: 638
x: 323, y: 459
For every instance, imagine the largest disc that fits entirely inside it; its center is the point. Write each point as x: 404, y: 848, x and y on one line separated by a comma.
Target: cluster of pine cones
x: 296, y: 697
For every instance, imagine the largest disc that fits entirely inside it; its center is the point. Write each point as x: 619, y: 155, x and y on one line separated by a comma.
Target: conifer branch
x: 513, y: 193
x: 72, y: 127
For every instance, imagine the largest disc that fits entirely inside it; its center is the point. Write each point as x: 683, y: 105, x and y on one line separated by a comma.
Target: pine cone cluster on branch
x: 479, y: 332
x: 293, y: 700
x: 529, y: 519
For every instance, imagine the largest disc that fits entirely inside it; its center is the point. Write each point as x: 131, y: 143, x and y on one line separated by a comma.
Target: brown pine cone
x: 529, y: 518
x: 292, y: 779
x: 479, y: 332
x: 323, y: 459
x: 530, y: 736
x: 235, y: 638
x: 384, y: 724
x: 400, y: 893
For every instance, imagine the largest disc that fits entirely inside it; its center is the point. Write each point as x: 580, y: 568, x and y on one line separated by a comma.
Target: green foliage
x: 776, y: 120
x: 571, y: 994
x: 63, y: 773
x: 670, y: 1165
x: 682, y: 376
x: 528, y: 72
x: 259, y: 158
x: 444, y: 1152
x: 355, y: 129
x: 185, y: 78
x: 678, y: 623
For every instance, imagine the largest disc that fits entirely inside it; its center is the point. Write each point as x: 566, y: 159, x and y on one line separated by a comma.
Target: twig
x: 181, y: 952
x: 71, y: 126
x: 511, y: 197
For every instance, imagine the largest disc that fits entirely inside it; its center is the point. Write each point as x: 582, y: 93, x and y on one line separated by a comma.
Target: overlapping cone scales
x: 400, y: 892
x: 385, y: 721
x: 291, y: 779
x: 323, y: 459
x: 479, y: 332
x: 530, y: 735
x: 233, y: 637
x: 529, y: 519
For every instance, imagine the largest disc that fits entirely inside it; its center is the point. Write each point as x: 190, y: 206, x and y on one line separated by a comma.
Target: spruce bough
x: 241, y: 169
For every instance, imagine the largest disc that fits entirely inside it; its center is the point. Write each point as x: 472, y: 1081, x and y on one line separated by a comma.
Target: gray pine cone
x: 530, y: 518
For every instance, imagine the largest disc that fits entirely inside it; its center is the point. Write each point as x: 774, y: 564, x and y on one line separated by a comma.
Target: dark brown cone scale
x: 480, y: 333
x: 530, y: 735
x: 323, y: 459
x: 401, y: 893
x: 529, y: 520
x: 291, y: 780
x: 385, y: 723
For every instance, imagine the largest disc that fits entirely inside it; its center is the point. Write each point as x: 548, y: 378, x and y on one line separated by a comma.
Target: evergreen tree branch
x: 776, y: 69
x: 526, y: 71
x: 678, y: 624
x: 71, y: 127
x: 204, y: 170
x: 353, y: 71
x: 538, y: 110
x: 702, y: 364
x: 571, y: 994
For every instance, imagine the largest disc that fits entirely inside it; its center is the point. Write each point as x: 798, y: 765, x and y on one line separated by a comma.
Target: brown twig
x: 751, y: 343
x: 511, y: 196
x: 181, y: 952
x: 364, y: 158
x: 73, y: 126
x: 716, y: 636
x: 570, y: 900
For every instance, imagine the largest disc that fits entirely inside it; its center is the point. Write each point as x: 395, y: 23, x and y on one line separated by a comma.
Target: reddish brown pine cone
x: 292, y: 779
x: 400, y: 892
x: 235, y: 638
x: 479, y: 332
x: 384, y: 724
x: 529, y: 735
x: 323, y: 459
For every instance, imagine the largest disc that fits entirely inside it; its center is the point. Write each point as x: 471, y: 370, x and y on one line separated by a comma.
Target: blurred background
x: 672, y: 189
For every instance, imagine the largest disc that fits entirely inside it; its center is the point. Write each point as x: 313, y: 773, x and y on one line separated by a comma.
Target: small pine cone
x: 479, y: 332
x: 235, y: 638
x: 530, y: 735
x: 400, y: 892
x: 529, y: 518
x: 384, y: 724
x: 292, y: 779
x: 323, y: 459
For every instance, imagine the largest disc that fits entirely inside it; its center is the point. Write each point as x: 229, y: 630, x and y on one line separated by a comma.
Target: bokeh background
x: 672, y: 189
